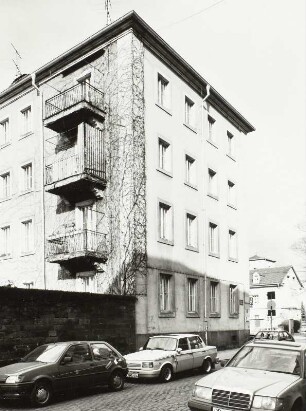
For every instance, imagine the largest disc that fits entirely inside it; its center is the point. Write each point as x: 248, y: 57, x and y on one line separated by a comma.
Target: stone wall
x: 29, y: 318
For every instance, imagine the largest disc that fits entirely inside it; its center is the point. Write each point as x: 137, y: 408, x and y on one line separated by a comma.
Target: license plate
x: 221, y: 409
x: 132, y: 374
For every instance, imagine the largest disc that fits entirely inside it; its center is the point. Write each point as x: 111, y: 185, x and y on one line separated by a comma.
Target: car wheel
x: 166, y: 373
x: 297, y: 407
x: 116, y: 381
x: 207, y: 366
x: 41, y: 394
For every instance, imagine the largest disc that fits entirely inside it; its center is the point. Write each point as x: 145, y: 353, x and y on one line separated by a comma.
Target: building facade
x: 120, y: 174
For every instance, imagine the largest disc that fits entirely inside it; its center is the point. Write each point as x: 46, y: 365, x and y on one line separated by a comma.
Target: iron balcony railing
x: 77, y: 242
x: 81, y: 92
x: 91, y: 161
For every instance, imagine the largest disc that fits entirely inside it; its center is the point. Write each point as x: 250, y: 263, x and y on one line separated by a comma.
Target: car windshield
x: 161, y: 343
x: 46, y: 353
x: 268, y: 359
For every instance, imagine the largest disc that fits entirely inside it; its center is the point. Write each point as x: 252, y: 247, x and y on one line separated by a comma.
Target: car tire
x: 207, y: 366
x: 41, y: 394
x: 297, y: 407
x: 116, y: 381
x: 166, y: 373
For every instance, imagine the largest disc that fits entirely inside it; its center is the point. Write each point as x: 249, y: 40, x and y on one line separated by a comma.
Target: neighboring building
x: 260, y: 262
x: 120, y: 173
x: 275, y: 296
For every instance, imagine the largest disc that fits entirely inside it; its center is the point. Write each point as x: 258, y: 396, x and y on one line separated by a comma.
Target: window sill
x: 29, y: 133
x: 213, y: 196
x: 212, y: 143
x: 2, y: 200
x: 27, y: 253
x: 233, y: 315
x: 215, y: 315
x: 167, y: 173
x: 233, y: 260
x: 190, y: 128
x: 232, y: 206
x: 22, y: 193
x: 194, y: 187
x: 166, y: 314
x: 215, y: 255
x: 192, y: 314
x: 6, y: 257
x: 191, y: 248
x: 231, y: 157
x: 166, y: 110
x: 5, y: 145
x: 164, y: 241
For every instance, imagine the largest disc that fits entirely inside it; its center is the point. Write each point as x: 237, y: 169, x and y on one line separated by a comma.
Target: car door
x: 198, y: 350
x: 78, y: 372
x: 103, y: 359
x: 185, y: 358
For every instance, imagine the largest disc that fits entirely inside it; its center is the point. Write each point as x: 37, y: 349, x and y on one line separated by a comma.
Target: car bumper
x: 147, y: 374
x: 197, y: 405
x: 15, y: 391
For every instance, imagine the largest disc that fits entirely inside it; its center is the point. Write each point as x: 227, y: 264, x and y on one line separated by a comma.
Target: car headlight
x: 204, y: 393
x: 13, y: 379
x: 147, y: 364
x: 267, y: 403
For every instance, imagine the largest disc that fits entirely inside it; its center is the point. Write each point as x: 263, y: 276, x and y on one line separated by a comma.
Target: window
x: 190, y: 169
x: 195, y: 342
x: 5, y: 185
x: 4, y: 132
x: 102, y: 352
x: 230, y: 144
x: 5, y: 241
x: 214, y: 297
x: 183, y: 344
x: 27, y: 236
x: 189, y: 112
x: 27, y: 179
x: 271, y: 313
x: 164, y: 152
x: 165, y: 222
x: 232, y: 245
x: 211, y: 133
x: 165, y: 293
x: 255, y: 299
x: 26, y: 120
x: 163, y: 92
x: 271, y: 295
x: 213, y: 240
x: 192, y: 295
x: 191, y: 231
x: 212, y: 183
x: 233, y: 300
x: 231, y: 190
x: 79, y: 354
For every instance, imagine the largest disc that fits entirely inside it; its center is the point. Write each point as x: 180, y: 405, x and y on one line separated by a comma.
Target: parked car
x: 262, y: 375
x: 279, y: 335
x: 165, y: 355
x: 63, y: 366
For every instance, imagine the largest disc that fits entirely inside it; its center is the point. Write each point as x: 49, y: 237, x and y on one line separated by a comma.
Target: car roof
x: 75, y: 342
x: 177, y: 335
x: 278, y: 344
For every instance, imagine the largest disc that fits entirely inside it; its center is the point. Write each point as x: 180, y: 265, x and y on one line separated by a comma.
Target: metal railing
x: 74, y: 95
x: 76, y: 242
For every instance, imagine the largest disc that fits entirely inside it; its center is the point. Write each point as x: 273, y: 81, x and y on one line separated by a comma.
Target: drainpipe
x: 33, y: 76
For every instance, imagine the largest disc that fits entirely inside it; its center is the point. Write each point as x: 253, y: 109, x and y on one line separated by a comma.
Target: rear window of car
x: 195, y: 342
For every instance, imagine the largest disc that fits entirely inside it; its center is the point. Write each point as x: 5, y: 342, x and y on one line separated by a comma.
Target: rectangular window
x: 230, y: 144
x: 164, y: 151
x: 165, y: 222
x: 26, y: 120
x: 189, y: 112
x: 163, y: 92
x: 213, y: 240
x: 231, y: 190
x: 4, y: 132
x: 232, y: 245
x: 233, y: 300
x: 5, y: 185
x: 192, y: 295
x: 27, y: 179
x: 190, y: 169
x: 191, y: 231
x: 165, y: 301
x: 27, y: 236
x: 211, y: 133
x: 5, y: 241
x: 271, y: 295
x: 212, y: 183
x: 214, y: 297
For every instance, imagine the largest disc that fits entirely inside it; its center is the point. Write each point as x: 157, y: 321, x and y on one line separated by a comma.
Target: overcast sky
x: 251, y: 51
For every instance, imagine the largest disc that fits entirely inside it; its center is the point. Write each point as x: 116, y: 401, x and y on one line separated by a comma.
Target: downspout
x: 33, y: 76
x: 205, y: 259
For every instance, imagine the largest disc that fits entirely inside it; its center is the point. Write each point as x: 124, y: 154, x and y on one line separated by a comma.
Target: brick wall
x: 29, y: 318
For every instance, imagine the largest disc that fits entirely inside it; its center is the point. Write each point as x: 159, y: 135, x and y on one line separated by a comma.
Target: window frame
x: 31, y: 250
x: 190, y: 171
x: 190, y: 113
x: 167, y: 104
x: 231, y: 257
x: 166, y: 205
x: 232, y: 194
x: 211, y: 134
x: 191, y: 216
x: 23, y: 166
x: 6, y: 245
x: 217, y: 312
x: 215, y: 252
x: 230, y: 152
x: 189, y: 311
x: 8, y: 195
x: 212, y: 186
x: 5, y: 134
x: 233, y: 307
x: 170, y: 312
x: 165, y: 143
x: 26, y: 131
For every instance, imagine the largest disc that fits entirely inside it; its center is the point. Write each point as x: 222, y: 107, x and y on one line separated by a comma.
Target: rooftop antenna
x: 17, y: 61
x: 107, y: 8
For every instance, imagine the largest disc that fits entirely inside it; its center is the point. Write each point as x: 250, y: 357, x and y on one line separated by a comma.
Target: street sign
x: 271, y: 305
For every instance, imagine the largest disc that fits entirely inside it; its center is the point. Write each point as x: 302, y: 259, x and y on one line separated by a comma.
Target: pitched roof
x: 272, y: 275
x: 257, y: 257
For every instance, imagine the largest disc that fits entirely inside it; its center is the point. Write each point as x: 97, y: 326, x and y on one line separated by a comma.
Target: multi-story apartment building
x: 125, y: 177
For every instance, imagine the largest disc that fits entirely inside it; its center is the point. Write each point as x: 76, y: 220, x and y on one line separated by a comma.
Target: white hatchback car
x: 165, y: 355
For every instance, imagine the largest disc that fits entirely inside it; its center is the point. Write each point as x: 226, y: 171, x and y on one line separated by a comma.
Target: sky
x: 251, y: 51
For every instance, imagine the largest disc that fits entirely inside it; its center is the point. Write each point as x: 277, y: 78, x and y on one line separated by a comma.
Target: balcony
x: 75, y: 176
x: 77, y: 249
x: 72, y: 106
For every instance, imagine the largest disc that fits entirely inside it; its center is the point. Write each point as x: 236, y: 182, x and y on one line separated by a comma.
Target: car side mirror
x: 141, y: 349
x: 223, y: 362
x: 179, y: 350
x: 66, y: 360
